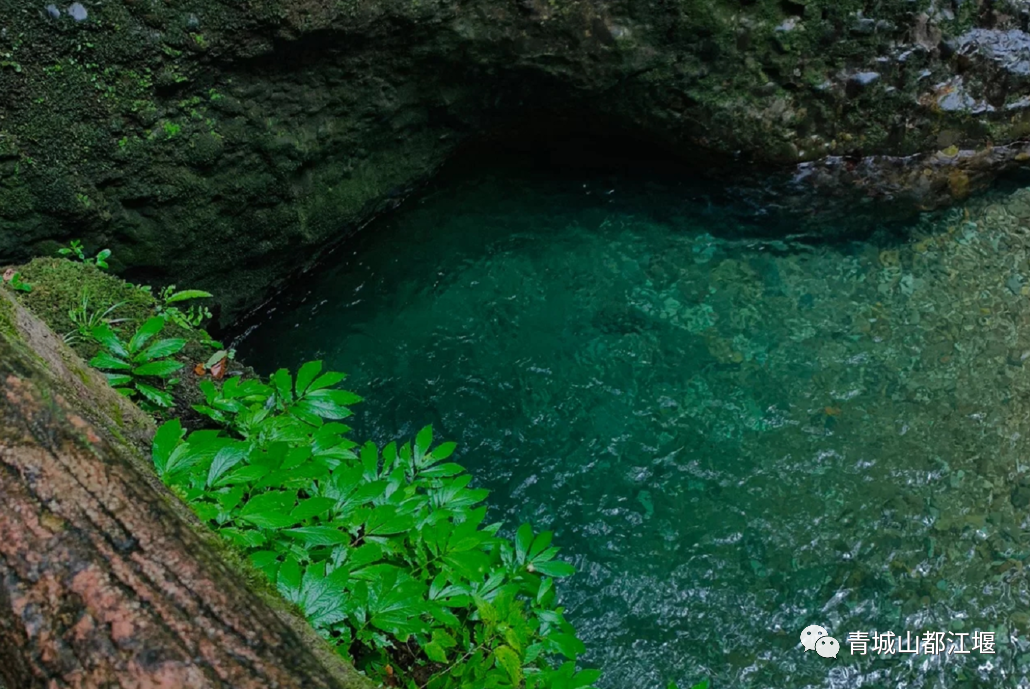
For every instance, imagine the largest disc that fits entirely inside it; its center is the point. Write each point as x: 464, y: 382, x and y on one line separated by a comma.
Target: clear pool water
x: 733, y: 436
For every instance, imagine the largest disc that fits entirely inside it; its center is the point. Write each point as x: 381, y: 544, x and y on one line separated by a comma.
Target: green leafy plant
x: 385, y: 550
x: 86, y: 319
x: 189, y: 319
x: 16, y: 281
x: 75, y: 250
x: 136, y: 367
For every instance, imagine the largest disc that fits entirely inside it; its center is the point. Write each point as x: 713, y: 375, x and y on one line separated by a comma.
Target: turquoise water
x: 732, y: 436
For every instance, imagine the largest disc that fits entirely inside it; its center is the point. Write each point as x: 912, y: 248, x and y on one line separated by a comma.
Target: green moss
x: 59, y: 285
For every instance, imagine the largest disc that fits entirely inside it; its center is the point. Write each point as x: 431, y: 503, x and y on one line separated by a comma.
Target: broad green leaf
x: 228, y: 500
x: 523, y: 539
x: 104, y: 360
x: 270, y: 510
x: 283, y: 384
x: 269, y: 519
x: 540, y: 544
x: 326, y: 380
x: 160, y: 369
x: 244, y: 538
x: 158, y: 397
x: 384, y: 520
x: 555, y: 568
x: 306, y: 375
x: 161, y: 348
x: 266, y: 561
x: 146, y: 331
x: 246, y: 474
x: 167, y: 438
x: 566, y: 644
x: 289, y: 579
x: 317, y: 536
x: 312, y: 507
x: 364, y: 555
x: 584, y: 679
x: 442, y: 471
x: 109, y: 341
x: 435, y: 652
x: 328, y: 404
x: 422, y: 442
x: 226, y: 458
x: 443, y: 451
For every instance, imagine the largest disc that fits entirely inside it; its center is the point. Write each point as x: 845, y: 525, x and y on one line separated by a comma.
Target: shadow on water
x: 735, y: 432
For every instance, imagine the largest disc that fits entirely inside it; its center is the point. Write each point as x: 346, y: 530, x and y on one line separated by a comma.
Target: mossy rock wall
x: 224, y: 144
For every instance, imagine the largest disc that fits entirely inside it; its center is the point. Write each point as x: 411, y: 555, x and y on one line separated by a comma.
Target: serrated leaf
x: 158, y: 397
x: 117, y: 379
x: 435, y: 652
x: 509, y: 661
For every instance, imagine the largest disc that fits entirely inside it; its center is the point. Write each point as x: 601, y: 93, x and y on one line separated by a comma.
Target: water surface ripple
x: 733, y: 437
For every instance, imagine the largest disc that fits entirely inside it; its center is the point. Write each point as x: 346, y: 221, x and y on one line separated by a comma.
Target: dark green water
x: 732, y: 438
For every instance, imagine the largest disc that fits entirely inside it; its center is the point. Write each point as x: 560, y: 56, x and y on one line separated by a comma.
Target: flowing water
x: 733, y: 436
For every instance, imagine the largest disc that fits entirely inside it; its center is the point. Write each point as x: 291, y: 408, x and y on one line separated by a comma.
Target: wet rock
x: 485, y: 71
x: 77, y: 12
x: 858, y: 83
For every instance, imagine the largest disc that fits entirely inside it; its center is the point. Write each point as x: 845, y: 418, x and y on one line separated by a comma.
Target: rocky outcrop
x: 106, y: 579
x: 226, y: 143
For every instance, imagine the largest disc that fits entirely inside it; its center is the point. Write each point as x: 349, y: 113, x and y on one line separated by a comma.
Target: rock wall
x: 226, y: 143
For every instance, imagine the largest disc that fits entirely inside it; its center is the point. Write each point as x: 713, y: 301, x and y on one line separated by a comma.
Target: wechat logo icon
x: 814, y: 637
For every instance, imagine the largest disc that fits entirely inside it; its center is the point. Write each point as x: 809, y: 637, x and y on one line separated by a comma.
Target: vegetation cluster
x: 386, y: 550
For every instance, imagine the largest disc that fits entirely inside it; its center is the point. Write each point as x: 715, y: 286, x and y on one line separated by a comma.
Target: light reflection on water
x: 732, y: 437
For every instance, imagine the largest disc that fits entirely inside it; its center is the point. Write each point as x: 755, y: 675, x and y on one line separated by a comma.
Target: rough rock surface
x: 106, y: 580
x: 225, y: 143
